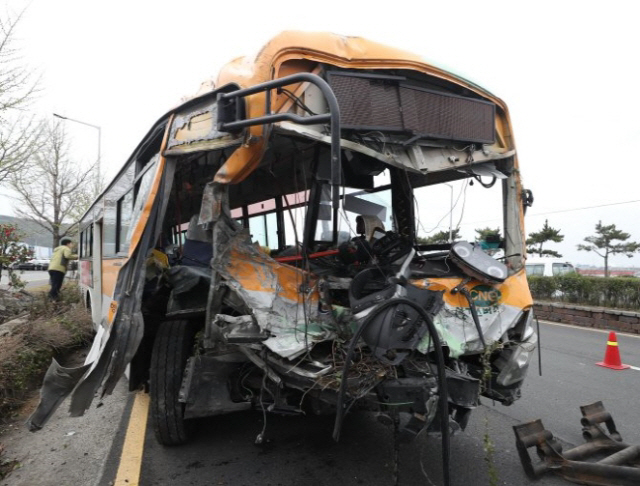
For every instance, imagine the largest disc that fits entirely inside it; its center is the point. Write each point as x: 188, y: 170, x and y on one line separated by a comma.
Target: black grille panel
x: 366, y: 103
x: 371, y: 103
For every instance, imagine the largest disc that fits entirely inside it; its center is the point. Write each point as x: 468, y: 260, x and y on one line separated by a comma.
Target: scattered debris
x: 7, y: 466
x: 616, y: 463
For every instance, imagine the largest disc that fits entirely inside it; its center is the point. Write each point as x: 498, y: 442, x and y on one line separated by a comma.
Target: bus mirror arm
x: 527, y: 199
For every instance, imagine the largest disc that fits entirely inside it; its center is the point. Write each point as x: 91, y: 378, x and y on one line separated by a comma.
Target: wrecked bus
x: 261, y: 248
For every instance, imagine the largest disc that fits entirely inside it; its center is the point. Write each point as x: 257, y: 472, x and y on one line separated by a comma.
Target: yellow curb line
x: 133, y: 448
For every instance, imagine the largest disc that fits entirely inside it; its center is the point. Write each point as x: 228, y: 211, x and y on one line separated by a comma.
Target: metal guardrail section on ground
x: 604, y: 460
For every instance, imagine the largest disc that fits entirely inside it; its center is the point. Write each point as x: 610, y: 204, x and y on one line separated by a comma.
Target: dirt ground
x: 68, y: 450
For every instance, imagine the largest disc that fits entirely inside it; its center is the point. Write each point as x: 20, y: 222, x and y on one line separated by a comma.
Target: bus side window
x: 264, y: 229
x: 123, y: 218
x: 109, y: 228
x: 86, y: 242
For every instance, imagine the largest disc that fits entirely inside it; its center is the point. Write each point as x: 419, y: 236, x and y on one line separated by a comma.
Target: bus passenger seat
x: 198, y: 245
x: 367, y: 226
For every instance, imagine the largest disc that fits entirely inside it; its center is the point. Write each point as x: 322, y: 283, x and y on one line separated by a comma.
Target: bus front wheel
x: 172, y: 347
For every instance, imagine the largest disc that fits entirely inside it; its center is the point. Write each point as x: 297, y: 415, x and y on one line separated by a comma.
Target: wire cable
x: 586, y: 207
x: 442, y: 383
x: 297, y: 101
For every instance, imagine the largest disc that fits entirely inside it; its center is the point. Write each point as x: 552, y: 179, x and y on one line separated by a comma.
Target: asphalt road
x: 300, y: 450
x: 33, y: 278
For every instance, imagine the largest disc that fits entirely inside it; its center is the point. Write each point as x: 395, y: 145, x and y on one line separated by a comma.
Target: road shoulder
x: 68, y: 450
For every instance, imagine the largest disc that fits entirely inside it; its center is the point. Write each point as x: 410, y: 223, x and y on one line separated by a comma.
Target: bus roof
x: 317, y: 47
x: 335, y: 49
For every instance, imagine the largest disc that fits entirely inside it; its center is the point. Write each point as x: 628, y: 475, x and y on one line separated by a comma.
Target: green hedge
x: 619, y: 292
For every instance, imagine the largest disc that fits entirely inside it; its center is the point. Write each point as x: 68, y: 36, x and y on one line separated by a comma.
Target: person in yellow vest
x: 58, y: 265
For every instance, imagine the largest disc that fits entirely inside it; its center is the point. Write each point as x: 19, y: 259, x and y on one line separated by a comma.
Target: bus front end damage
x: 288, y: 332
x: 322, y: 295
x: 290, y: 258
x: 289, y: 340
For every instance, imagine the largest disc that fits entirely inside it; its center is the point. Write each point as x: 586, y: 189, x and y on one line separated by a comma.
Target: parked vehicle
x: 259, y: 248
x: 548, y: 267
x: 35, y: 264
x: 42, y: 263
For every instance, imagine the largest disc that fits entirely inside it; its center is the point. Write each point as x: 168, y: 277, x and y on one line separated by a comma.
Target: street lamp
x: 99, y: 140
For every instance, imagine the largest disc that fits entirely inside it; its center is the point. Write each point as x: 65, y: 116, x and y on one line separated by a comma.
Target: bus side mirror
x: 527, y: 199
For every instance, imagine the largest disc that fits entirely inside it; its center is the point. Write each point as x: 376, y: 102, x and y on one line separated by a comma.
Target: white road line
x: 603, y: 331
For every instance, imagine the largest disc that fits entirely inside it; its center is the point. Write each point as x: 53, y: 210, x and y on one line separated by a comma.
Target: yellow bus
x: 266, y: 247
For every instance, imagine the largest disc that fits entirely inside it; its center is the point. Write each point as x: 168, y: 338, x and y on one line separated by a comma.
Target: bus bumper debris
x: 604, y: 460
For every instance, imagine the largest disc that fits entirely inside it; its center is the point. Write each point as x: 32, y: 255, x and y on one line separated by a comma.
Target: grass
x: 52, y: 330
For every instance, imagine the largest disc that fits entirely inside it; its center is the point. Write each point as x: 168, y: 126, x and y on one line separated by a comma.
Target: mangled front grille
x: 376, y: 102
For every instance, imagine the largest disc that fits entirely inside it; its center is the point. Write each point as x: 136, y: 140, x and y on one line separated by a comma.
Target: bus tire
x: 172, y: 347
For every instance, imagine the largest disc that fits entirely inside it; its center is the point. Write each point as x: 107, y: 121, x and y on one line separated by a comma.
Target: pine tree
x: 488, y: 234
x: 537, y: 240
x: 602, y: 243
x: 439, y: 237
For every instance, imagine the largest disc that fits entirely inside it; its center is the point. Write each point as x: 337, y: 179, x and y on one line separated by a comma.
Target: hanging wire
x: 464, y: 202
x: 260, y: 437
x: 297, y: 101
x: 455, y: 205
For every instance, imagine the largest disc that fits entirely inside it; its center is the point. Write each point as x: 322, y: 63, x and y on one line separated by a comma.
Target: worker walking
x: 58, y: 265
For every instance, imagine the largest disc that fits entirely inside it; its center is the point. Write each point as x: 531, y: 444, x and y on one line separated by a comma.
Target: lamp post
x: 99, y: 141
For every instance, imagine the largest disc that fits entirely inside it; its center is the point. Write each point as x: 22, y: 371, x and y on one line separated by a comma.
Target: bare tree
x: 53, y: 190
x: 19, y: 134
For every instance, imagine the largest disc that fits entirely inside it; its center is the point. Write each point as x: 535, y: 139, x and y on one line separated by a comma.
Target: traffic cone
x: 612, y: 355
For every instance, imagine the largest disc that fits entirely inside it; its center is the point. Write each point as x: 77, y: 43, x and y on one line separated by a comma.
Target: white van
x: 547, y: 267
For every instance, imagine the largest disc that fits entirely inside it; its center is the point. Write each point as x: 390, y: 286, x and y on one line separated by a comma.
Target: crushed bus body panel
x: 271, y: 240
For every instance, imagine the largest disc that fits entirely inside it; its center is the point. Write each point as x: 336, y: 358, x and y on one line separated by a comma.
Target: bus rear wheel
x: 172, y: 347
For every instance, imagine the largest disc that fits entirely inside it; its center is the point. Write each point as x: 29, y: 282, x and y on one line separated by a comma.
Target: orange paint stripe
x: 144, y: 218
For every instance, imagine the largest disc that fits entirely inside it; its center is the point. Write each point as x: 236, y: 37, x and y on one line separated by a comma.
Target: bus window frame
x: 122, y: 247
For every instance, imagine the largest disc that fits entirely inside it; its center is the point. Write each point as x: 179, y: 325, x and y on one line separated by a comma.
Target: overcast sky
x: 567, y: 70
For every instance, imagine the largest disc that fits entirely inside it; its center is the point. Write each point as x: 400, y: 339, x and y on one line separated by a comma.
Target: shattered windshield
x: 463, y: 209
x: 355, y: 202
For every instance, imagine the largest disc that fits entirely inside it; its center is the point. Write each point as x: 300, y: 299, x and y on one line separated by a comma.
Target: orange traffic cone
x: 612, y: 355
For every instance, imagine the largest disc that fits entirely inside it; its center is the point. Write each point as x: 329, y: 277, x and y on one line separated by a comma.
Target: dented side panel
x: 283, y: 299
